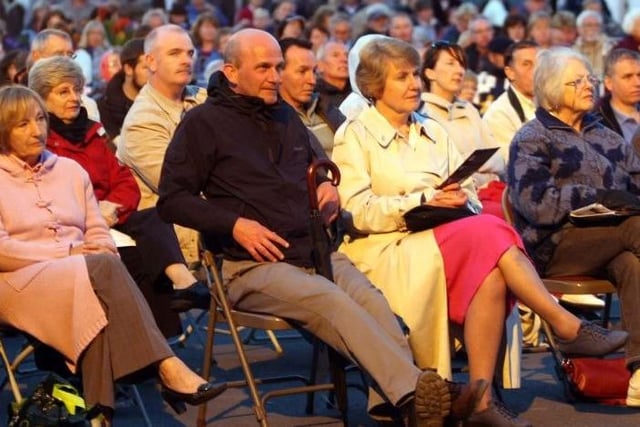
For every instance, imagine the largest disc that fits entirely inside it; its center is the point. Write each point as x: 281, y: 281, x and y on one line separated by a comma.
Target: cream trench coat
x: 382, y: 178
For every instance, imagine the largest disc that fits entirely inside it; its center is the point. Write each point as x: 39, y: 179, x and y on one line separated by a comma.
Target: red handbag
x: 601, y: 380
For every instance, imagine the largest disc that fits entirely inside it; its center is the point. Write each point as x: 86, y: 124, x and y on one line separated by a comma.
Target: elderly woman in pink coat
x: 60, y: 278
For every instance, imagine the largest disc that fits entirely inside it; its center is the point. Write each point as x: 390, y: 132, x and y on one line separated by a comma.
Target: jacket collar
x: 220, y: 93
x: 452, y: 108
x: 383, y: 133
x: 589, y: 121
x: 16, y: 167
x: 175, y: 111
x: 324, y: 87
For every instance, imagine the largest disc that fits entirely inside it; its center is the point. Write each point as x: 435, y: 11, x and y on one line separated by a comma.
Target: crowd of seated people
x: 167, y: 67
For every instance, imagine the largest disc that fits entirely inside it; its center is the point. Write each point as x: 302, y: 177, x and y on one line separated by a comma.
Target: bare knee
x: 494, y: 287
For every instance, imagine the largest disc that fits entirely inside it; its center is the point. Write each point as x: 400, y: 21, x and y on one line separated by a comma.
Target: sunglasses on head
x: 442, y: 44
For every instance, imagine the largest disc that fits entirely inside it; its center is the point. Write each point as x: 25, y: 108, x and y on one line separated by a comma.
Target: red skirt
x: 471, y: 248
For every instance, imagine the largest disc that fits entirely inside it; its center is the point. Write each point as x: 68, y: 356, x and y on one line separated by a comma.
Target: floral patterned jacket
x: 553, y: 169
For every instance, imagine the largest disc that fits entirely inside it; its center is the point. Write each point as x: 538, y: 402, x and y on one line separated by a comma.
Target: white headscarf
x: 356, y: 102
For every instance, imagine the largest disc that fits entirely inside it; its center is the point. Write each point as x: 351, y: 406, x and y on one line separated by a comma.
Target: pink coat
x: 44, y: 291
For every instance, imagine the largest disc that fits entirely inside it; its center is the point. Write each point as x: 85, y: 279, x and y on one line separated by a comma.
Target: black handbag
x: 424, y: 217
x: 54, y: 402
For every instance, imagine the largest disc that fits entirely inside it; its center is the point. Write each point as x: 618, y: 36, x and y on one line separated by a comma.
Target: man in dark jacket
x: 620, y: 107
x: 298, y: 80
x: 333, y: 70
x: 123, y: 87
x: 236, y: 171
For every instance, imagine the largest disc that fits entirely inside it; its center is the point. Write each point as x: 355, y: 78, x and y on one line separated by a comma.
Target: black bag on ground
x: 54, y: 402
x: 424, y: 217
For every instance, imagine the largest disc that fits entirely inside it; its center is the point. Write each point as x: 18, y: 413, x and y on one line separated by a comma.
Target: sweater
x: 553, y: 169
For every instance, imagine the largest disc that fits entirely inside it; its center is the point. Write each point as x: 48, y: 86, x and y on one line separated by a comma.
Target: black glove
x: 618, y: 199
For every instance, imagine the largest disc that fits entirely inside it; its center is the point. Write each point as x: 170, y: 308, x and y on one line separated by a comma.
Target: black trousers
x: 156, y: 248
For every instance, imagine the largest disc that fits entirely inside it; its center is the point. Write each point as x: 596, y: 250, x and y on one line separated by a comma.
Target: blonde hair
x: 15, y: 102
x: 375, y: 58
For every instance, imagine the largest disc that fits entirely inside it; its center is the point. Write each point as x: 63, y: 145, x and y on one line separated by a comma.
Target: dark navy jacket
x: 247, y: 159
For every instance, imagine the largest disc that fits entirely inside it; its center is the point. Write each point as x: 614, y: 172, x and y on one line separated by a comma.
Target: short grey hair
x: 548, y: 77
x: 89, y: 27
x: 48, y: 73
x: 151, y: 38
x: 41, y: 39
x: 588, y: 14
x: 629, y: 20
x: 322, y: 50
x: 153, y: 13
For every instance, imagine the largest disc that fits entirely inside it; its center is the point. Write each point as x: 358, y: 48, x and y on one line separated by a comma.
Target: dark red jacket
x: 111, y: 180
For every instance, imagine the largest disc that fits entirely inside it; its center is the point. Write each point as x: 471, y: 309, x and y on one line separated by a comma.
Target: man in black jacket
x: 333, y: 73
x: 123, y: 87
x: 236, y: 171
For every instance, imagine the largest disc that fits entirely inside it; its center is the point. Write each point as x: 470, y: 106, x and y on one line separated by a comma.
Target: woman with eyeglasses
x: 466, y: 271
x: 442, y: 74
x: 565, y: 159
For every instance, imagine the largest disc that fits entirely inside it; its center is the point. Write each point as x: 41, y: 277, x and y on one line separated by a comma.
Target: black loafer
x: 195, y: 296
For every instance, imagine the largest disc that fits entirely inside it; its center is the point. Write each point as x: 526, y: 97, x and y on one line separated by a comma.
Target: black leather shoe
x: 177, y: 400
x: 195, y: 296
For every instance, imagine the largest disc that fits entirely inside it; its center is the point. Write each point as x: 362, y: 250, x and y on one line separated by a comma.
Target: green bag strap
x: 69, y: 396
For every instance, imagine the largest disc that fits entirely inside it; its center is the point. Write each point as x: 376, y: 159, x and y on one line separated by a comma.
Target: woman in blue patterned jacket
x: 565, y: 159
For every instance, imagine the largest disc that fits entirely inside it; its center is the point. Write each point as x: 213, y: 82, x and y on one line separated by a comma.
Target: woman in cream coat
x: 392, y: 160
x: 442, y: 75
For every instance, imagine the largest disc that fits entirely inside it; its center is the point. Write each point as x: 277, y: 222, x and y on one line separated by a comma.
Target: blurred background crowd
x: 99, y: 29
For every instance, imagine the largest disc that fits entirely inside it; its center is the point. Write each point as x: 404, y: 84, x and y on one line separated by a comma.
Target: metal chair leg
x: 10, y: 375
x: 140, y: 403
x: 258, y: 407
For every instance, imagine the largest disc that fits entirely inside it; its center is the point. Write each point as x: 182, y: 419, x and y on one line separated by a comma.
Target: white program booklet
x: 598, y: 214
x: 122, y: 240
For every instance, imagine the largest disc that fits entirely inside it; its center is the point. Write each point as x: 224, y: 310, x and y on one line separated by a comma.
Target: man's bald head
x: 253, y: 61
x: 241, y: 41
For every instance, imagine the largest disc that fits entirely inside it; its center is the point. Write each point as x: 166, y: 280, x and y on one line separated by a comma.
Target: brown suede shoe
x: 464, y: 399
x: 432, y: 401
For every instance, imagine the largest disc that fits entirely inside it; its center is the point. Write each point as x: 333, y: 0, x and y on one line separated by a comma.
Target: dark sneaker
x: 593, y: 340
x: 464, y: 399
x: 432, y: 400
x: 195, y: 296
x: 496, y: 415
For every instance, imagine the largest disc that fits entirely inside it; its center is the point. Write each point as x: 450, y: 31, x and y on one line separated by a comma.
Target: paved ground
x: 540, y: 400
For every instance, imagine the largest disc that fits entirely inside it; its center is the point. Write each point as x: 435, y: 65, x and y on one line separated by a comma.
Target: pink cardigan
x: 44, y: 291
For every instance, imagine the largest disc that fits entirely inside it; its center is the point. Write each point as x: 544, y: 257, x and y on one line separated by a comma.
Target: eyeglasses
x: 593, y: 81
x: 66, y: 92
x: 67, y: 53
